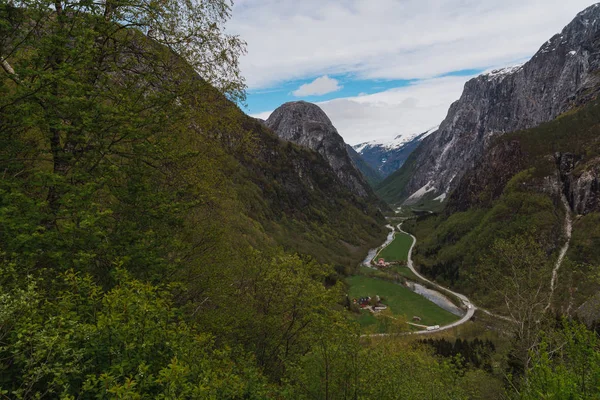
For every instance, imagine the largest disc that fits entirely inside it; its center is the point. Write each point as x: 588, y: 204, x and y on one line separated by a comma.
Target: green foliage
x: 129, y: 342
x: 565, y: 366
x: 276, y: 308
x: 97, y: 159
x: 585, y: 243
x: 340, y: 368
x: 476, y: 353
x: 452, y: 246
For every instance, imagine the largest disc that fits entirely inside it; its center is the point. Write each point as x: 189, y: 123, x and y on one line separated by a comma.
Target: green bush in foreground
x: 128, y: 342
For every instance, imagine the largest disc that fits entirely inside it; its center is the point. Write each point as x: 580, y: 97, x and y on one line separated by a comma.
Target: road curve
x: 466, y: 302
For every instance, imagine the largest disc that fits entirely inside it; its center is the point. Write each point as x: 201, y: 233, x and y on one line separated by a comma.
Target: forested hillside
x: 142, y: 212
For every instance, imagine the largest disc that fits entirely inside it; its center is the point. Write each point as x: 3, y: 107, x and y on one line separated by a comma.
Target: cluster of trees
x: 476, y: 353
x: 566, y: 364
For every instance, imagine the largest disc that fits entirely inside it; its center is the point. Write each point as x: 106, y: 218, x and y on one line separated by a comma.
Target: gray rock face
x: 589, y: 312
x: 307, y: 125
x: 580, y: 185
x: 561, y: 75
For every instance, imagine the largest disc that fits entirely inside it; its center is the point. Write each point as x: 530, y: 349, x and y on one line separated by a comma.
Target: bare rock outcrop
x: 307, y: 125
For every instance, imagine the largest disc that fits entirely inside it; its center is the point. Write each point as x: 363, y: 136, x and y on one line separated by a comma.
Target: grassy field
x: 401, y: 301
x: 398, y: 249
x: 388, y: 273
x: 405, y: 272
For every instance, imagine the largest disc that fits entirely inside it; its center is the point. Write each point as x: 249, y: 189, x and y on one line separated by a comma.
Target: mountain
x: 542, y: 183
x: 156, y: 242
x: 298, y: 200
x: 307, y: 125
x: 561, y: 75
x: 242, y: 180
x: 372, y: 176
x: 388, y: 157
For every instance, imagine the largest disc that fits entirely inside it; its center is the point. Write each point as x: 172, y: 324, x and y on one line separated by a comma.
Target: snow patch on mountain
x: 503, y: 72
x: 421, y: 192
x: 441, y: 197
x: 397, y: 142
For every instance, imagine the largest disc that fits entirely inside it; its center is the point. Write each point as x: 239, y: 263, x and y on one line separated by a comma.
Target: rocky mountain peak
x: 288, y: 118
x: 561, y: 75
x: 307, y: 125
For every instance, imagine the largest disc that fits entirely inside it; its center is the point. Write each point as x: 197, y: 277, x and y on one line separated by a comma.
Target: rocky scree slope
x: 307, y: 125
x: 561, y: 75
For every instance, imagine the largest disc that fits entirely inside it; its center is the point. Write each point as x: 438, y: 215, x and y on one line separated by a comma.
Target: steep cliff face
x: 571, y: 172
x: 483, y: 184
x: 579, y: 181
x: 574, y: 174
x: 307, y: 125
x: 561, y: 75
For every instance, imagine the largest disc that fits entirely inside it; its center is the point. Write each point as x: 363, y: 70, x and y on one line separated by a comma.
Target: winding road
x: 466, y: 302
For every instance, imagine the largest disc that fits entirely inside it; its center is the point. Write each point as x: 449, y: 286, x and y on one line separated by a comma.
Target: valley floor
x: 405, y: 292
x: 401, y: 301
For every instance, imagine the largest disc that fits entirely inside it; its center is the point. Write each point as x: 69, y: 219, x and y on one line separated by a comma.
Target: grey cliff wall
x: 562, y: 74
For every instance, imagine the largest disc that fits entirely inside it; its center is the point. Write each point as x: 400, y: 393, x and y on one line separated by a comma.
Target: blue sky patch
x: 263, y: 100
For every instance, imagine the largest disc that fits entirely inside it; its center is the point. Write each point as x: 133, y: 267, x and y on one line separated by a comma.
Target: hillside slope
x: 516, y: 190
x: 152, y: 129
x: 372, y: 176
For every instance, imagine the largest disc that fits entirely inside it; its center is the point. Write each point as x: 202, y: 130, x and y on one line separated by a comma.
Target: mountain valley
x: 157, y: 242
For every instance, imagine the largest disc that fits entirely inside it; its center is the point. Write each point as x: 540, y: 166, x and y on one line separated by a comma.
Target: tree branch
x: 7, y: 67
x: 10, y: 71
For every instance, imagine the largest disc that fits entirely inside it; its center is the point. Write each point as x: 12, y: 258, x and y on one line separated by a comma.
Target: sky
x: 382, y: 68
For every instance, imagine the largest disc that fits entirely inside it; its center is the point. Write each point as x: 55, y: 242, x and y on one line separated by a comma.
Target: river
x: 436, y: 297
x: 374, y: 252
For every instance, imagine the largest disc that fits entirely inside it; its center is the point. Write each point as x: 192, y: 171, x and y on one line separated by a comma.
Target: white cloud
x: 263, y: 115
x: 318, y: 87
x: 390, y: 39
x: 382, y: 116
